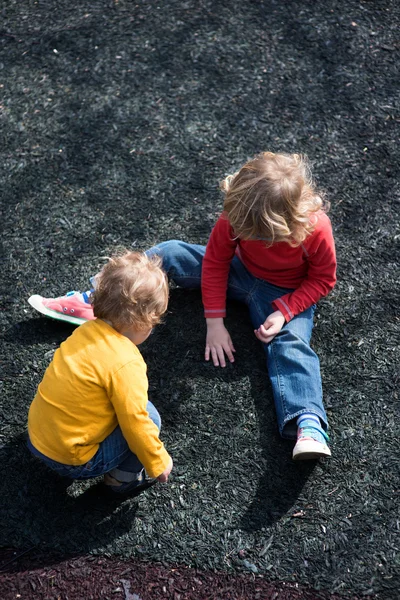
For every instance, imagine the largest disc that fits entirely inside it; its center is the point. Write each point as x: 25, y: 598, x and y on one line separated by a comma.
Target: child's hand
x: 272, y: 326
x: 165, y: 474
x: 218, y: 343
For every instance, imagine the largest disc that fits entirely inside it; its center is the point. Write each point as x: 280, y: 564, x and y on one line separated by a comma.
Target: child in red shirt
x: 273, y: 249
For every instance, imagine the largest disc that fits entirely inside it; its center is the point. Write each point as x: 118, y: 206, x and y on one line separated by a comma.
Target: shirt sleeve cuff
x: 280, y: 304
x: 160, y: 465
x: 215, y: 314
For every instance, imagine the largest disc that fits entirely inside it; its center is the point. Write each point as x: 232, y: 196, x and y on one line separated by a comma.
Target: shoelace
x: 309, y: 429
x: 85, y: 295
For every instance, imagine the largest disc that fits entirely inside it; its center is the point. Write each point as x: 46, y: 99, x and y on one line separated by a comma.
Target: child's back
x: 95, y: 388
x: 81, y: 398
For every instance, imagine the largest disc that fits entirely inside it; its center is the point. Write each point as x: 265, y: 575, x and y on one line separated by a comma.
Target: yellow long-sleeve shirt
x: 96, y: 381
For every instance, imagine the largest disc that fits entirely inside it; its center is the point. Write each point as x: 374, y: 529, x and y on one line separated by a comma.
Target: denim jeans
x: 293, y: 366
x: 113, y: 455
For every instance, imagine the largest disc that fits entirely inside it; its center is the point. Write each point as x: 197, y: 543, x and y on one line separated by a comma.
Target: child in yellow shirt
x: 91, y: 415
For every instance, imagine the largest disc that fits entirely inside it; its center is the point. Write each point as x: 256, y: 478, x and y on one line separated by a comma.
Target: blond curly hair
x: 131, y: 290
x: 273, y: 198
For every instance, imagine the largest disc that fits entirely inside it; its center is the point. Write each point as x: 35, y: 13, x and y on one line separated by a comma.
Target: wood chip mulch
x: 42, y: 577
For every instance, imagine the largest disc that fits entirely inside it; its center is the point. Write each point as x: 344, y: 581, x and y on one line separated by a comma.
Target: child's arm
x: 214, y: 282
x: 321, y: 276
x: 128, y: 394
x: 217, y: 260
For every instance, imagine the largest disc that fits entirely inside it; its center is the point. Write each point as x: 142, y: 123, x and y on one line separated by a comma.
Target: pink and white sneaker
x: 73, y: 308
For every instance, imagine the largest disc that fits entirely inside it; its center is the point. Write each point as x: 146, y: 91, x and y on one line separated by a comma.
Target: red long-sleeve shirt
x: 308, y: 269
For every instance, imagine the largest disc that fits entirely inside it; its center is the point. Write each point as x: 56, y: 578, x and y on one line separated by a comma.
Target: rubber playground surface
x: 118, y: 121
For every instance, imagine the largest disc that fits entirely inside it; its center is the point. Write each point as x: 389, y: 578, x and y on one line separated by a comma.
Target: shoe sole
x: 310, y: 450
x: 36, y: 302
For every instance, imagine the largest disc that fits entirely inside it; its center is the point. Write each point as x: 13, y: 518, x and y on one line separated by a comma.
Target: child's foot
x: 311, y: 441
x: 73, y: 308
x: 130, y: 489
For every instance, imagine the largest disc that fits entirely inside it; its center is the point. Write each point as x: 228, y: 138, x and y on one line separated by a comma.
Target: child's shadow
x: 175, y: 359
x: 52, y: 513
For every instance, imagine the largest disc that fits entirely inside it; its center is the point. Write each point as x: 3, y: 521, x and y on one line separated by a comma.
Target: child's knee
x: 154, y: 414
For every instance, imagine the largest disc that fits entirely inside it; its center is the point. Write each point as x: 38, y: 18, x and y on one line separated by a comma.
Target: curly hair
x: 273, y: 198
x: 131, y: 290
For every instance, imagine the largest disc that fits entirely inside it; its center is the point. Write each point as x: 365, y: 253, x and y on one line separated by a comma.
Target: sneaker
x: 73, y: 308
x: 311, y: 442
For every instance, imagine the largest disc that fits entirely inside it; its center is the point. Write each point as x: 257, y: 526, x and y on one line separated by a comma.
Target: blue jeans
x: 113, y: 455
x: 293, y: 366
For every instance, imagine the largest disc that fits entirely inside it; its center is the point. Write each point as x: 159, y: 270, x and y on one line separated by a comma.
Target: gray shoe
x: 132, y: 488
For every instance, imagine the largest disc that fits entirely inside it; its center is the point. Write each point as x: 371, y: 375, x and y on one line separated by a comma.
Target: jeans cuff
x: 125, y: 476
x: 291, y: 431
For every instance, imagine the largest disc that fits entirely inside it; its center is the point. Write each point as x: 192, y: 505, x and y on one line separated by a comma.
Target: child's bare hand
x: 165, y: 474
x: 271, y: 327
x: 218, y: 343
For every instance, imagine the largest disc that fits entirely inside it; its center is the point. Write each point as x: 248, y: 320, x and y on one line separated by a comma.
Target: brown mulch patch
x: 41, y: 577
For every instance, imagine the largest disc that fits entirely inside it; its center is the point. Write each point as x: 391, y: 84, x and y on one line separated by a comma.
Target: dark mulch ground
x: 118, y: 119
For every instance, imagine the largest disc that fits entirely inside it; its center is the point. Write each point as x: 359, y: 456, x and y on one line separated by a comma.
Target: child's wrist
x: 214, y: 322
